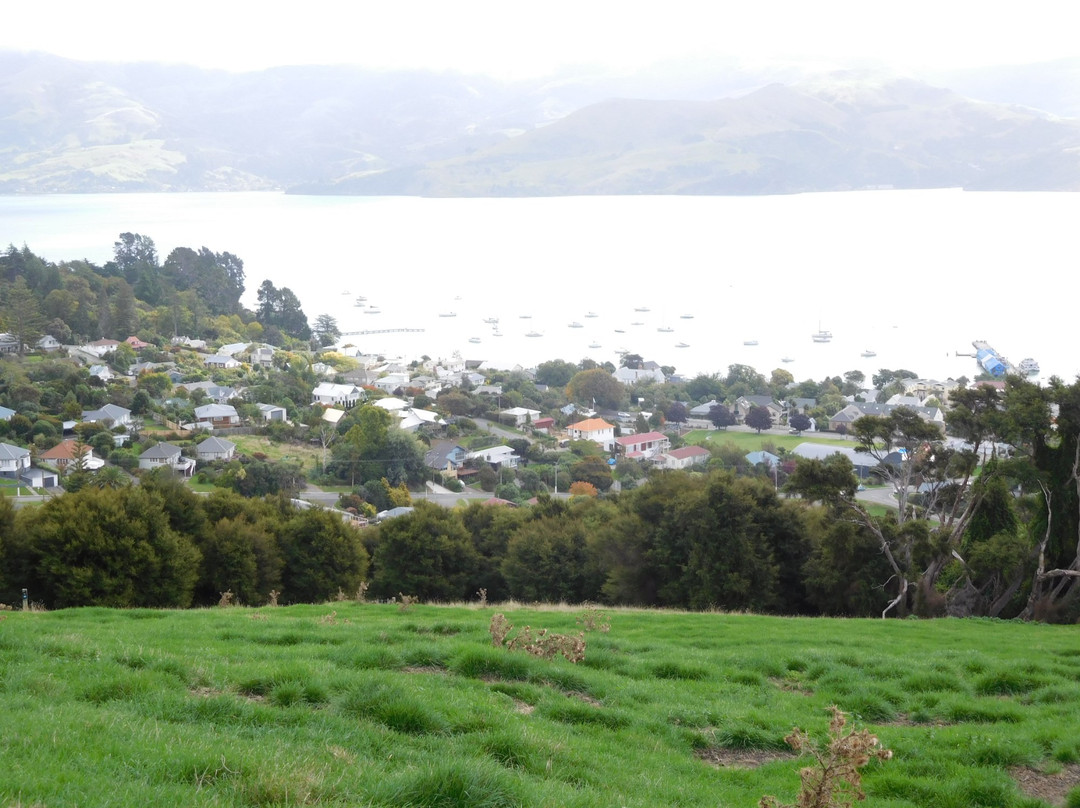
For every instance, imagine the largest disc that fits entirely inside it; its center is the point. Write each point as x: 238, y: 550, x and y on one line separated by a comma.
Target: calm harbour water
x: 914, y: 276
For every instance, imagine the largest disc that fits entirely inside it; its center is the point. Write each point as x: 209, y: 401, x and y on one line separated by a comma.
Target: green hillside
x: 363, y: 704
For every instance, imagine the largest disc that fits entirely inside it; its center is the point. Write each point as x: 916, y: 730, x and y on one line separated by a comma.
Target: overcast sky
x: 518, y: 38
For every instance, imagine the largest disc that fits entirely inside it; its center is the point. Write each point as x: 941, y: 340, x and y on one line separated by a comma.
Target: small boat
x: 664, y: 329
x: 496, y: 333
x: 681, y: 345
x: 346, y: 292
x: 1029, y: 366
x: 491, y: 320
x: 637, y: 323
x: 619, y: 331
x: 787, y: 359
x: 594, y: 345
x: 821, y: 336
x: 591, y: 314
x: 360, y: 300
x: 576, y: 324
x: 686, y: 317
x: 868, y: 353
x: 525, y: 316
x: 534, y: 334
x: 749, y: 342
x: 448, y: 314
x: 373, y: 310
x: 641, y: 308
x: 474, y: 340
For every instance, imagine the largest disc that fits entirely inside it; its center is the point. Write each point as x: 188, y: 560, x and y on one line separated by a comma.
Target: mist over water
x: 914, y: 276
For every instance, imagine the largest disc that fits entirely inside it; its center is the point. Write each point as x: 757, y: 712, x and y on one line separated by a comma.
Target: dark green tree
x: 426, y: 554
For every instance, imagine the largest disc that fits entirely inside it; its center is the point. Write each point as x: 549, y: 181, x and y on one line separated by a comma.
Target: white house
x: 14, y: 460
x: 336, y: 395
x: 630, y: 376
x: 521, y: 415
x: 168, y: 456
x: 219, y: 361
x: 215, y: 449
x: 392, y: 381
x: 595, y: 429
x: 116, y: 415
x: 412, y: 419
x: 103, y: 372
x: 48, y: 343
x: 496, y: 456
x: 6, y: 413
x: 217, y: 416
x: 683, y: 458
x: 9, y: 343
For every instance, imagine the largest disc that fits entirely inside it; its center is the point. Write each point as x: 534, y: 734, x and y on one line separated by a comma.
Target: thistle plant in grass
x: 834, y: 781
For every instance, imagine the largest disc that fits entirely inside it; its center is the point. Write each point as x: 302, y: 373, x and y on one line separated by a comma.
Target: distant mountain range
x: 90, y: 127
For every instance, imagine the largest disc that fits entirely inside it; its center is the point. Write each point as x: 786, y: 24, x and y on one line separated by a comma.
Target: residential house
x: 332, y: 415
x: 187, y: 342
x: 521, y: 415
x: 412, y: 419
x: 336, y: 395
x: 14, y: 460
x: 219, y: 361
x: 111, y: 414
x: 63, y: 455
x: 213, y: 449
x: 9, y: 343
x: 842, y: 421
x: 923, y: 389
x: 629, y: 376
x: 743, y: 405
x: 701, y: 411
x: 136, y: 343
x: 392, y: 381
x: 48, y: 343
x: 272, y: 412
x: 543, y: 425
x: 99, y: 347
x: 445, y: 457
x: 214, y: 392
x: 494, y: 390
x: 39, y: 478
x: 863, y: 463
x: 166, y: 455
x: 496, y: 456
x: 6, y: 413
x: 763, y: 458
x: 391, y: 404
x: 323, y: 369
x: 103, y: 372
x: 683, y: 458
x: 262, y: 356
x: 232, y: 349
x: 644, y: 445
x: 794, y: 405
x: 217, y: 416
x: 597, y: 430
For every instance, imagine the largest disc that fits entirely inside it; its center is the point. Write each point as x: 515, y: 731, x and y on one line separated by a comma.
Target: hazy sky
x: 516, y: 38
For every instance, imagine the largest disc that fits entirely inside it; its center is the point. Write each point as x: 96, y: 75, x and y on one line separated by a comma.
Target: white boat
x: 686, y: 317
x: 474, y: 339
x: 620, y: 331
x: 1029, y: 366
x: 681, y: 345
x: 641, y: 308
x: 372, y: 310
x: 491, y: 320
x: 525, y: 316
x: 787, y: 359
x: 868, y: 353
x: 749, y: 342
x: 591, y: 314
x: 534, y: 334
x: 496, y: 333
x: 665, y: 329
x: 637, y: 323
x: 595, y: 345
x: 576, y: 324
x: 448, y: 314
x: 821, y: 336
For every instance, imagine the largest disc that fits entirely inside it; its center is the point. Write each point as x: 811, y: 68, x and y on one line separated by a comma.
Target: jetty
x: 381, y: 331
x: 991, y: 361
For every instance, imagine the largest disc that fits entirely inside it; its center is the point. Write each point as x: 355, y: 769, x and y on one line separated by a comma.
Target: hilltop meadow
x: 353, y: 703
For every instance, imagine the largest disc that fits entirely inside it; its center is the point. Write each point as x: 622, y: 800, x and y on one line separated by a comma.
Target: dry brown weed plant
x: 328, y: 619
x: 226, y: 598
x: 593, y: 619
x: 543, y: 643
x: 273, y: 597
x: 406, y: 601
x: 834, y: 781
x: 482, y: 594
x: 361, y: 592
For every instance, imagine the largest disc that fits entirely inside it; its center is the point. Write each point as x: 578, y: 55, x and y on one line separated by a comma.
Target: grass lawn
x: 306, y: 454
x: 348, y: 704
x: 752, y: 442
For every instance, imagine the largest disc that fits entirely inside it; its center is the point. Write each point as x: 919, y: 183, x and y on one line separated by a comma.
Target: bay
x: 913, y: 276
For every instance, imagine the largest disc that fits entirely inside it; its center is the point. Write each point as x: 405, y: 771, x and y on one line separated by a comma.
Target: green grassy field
x: 360, y: 704
x: 752, y: 441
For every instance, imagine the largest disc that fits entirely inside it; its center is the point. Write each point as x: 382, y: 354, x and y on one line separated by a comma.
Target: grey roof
x: 111, y: 411
x: 819, y: 451
x: 214, y: 410
x: 162, y: 451
x: 215, y: 445
x: 9, y: 452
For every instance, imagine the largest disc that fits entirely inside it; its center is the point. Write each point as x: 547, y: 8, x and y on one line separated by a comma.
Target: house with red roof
x: 643, y: 445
